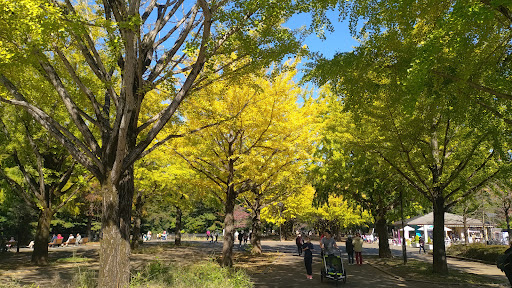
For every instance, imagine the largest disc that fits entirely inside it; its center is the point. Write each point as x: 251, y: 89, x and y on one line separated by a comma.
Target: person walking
x: 208, y: 235
x: 349, y: 247
x: 299, y: 242
x: 240, y: 239
x: 328, y: 244
x: 308, y: 257
x: 422, y: 245
x: 358, y: 249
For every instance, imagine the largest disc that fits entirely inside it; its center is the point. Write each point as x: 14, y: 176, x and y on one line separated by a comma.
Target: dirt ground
x: 280, y: 266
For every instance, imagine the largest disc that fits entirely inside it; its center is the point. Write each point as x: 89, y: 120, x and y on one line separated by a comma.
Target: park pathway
x: 288, y: 271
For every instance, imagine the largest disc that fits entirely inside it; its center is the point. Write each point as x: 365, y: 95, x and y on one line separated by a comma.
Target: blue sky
x: 338, y: 41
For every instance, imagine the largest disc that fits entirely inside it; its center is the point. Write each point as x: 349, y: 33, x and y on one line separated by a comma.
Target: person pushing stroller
x: 331, y: 257
x: 328, y: 246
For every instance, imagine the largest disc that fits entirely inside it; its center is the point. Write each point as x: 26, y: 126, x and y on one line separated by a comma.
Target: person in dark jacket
x: 350, y: 250
x: 308, y: 257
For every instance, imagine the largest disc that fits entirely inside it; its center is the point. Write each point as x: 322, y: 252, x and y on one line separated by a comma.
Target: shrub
x: 203, y: 274
x: 479, y: 251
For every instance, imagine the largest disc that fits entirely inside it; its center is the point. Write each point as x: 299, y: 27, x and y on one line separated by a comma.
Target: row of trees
x: 423, y: 100
x: 85, y: 71
x: 425, y: 95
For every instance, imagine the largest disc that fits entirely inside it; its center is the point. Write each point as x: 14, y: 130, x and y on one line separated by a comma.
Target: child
x: 307, y: 247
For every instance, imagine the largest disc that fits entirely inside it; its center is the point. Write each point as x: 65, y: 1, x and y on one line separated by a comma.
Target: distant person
x: 208, y: 235
x: 349, y: 247
x: 149, y: 235
x: 164, y: 235
x: 358, y: 248
x: 78, y: 239
x: 308, y: 257
x: 240, y: 238
x: 299, y: 242
x: 54, y: 237
x: 422, y: 245
x: 216, y: 234
x: 31, y: 244
x: 71, y: 237
x: 59, y: 236
x: 246, y: 237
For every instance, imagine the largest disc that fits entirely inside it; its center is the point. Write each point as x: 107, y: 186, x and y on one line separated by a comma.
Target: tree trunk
x: 382, y: 231
x: 136, y: 235
x: 466, y: 233
x: 439, y: 264
x: 40, y: 253
x: 229, y: 227
x: 508, y: 227
x: 115, y: 249
x: 256, y: 230
x: 177, y: 233
x: 89, y: 221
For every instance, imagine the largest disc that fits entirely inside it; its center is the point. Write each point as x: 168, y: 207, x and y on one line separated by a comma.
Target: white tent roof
x: 431, y: 227
x: 408, y: 228
x: 450, y: 220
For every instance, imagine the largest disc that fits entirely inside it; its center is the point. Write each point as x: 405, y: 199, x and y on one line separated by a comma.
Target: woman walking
x: 358, y: 248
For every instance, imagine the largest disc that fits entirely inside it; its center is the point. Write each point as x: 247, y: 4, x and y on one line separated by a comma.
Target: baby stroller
x: 332, y: 268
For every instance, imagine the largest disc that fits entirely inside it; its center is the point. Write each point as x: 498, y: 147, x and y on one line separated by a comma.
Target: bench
x: 84, y: 240
x: 56, y: 242
x: 70, y: 242
x: 11, y: 244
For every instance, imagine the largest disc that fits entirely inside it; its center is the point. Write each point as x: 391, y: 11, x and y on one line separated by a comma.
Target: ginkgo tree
x: 335, y: 214
x: 42, y: 172
x: 264, y: 131
x: 442, y: 147
x: 101, y: 59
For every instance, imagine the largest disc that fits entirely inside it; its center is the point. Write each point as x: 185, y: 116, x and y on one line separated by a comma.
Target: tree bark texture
x: 177, y: 238
x: 439, y: 266
x: 115, y: 249
x: 136, y: 234
x: 382, y: 230
x: 256, y: 230
x: 229, y: 227
x: 466, y: 233
x: 40, y: 253
x: 508, y: 227
x: 89, y: 221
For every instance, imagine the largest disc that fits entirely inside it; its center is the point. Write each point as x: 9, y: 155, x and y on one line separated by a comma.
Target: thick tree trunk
x: 115, y: 248
x: 382, y: 230
x: 229, y: 227
x: 177, y: 233
x: 40, y: 253
x: 256, y: 230
x: 439, y: 265
x: 136, y: 235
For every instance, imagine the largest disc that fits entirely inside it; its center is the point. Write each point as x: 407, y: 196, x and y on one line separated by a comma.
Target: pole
x: 404, y: 247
